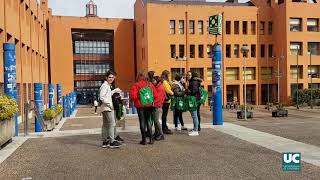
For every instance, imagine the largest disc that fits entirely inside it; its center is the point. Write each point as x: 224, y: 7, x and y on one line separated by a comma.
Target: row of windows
x: 91, y: 47
x: 236, y: 51
x: 297, y: 48
x: 236, y: 27
x: 92, y: 69
x: 296, y: 72
x: 86, y: 84
x: 296, y: 24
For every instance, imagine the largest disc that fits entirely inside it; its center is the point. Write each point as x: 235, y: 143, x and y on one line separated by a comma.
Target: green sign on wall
x: 215, y: 24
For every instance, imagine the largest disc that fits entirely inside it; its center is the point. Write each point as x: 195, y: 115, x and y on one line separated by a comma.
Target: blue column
x: 134, y: 110
x: 217, y: 84
x: 64, y: 98
x: 59, y: 94
x: 68, y: 105
x: 51, y: 96
x: 39, y: 105
x: 10, y: 76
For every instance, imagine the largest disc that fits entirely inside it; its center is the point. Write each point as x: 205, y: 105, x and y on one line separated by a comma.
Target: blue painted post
x: 217, y: 84
x: 75, y: 100
x: 10, y: 76
x: 39, y: 105
x: 59, y: 94
x: 68, y: 105
x: 51, y: 96
x: 64, y: 98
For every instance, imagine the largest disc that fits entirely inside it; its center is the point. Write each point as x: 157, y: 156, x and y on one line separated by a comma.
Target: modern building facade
x: 173, y: 35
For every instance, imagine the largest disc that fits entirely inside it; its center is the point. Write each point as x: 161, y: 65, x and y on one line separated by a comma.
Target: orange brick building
x: 173, y: 35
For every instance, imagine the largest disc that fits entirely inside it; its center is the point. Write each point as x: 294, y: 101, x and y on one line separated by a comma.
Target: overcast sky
x: 106, y: 8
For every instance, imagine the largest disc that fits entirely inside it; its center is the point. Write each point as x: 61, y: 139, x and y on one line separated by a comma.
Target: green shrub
x: 249, y: 107
x: 304, y: 96
x: 8, y: 108
x: 58, y: 108
x: 49, y: 114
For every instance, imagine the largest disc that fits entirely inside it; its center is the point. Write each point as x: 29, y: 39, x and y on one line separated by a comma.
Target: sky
x: 106, y: 8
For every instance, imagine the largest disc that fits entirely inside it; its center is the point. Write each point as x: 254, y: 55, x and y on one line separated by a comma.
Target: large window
x: 209, y: 74
x: 296, y: 72
x: 250, y: 73
x: 262, y: 50
x: 200, y: 51
x: 181, y: 27
x: 228, y: 27
x: 199, y: 71
x: 296, y: 47
x: 232, y: 73
x: 181, y: 51
x: 270, y: 27
x: 173, y: 51
x: 236, y: 50
x: 270, y: 50
x: 191, y: 27
x: 87, y: 84
x: 172, y: 26
x: 266, y: 73
x: 314, y: 48
x: 295, y: 24
x: 253, y: 28
x: 314, y: 71
x: 200, y: 27
x: 236, y: 27
x: 192, y: 51
x: 91, y: 47
x: 253, y: 50
x: 262, y: 27
x: 244, y: 27
x: 313, y: 24
x: 91, y: 68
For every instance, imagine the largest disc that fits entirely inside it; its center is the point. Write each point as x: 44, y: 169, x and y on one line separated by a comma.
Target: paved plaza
x: 238, y: 150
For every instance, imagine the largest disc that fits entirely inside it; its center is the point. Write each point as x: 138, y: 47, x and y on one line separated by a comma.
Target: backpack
x: 118, y: 105
x: 146, y: 96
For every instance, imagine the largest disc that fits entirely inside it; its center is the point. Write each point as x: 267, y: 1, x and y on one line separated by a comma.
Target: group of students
x: 152, y: 93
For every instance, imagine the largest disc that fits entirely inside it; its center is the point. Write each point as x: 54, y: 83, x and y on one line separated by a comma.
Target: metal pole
x: 245, y: 89
x: 297, y: 79
x: 311, y: 103
x: 268, y: 82
x: 279, y: 80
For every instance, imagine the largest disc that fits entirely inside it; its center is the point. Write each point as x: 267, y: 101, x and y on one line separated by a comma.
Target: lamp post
x: 278, y: 76
x: 311, y: 103
x: 244, y: 51
x: 297, y: 87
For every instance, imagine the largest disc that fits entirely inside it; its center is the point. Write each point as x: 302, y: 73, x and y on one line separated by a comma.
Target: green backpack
x: 191, y: 103
x: 204, y: 96
x: 180, y: 104
x: 146, y: 96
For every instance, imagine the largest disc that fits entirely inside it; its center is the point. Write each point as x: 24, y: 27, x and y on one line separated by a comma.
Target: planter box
x: 240, y: 114
x: 6, y: 131
x: 280, y: 113
x: 49, y: 125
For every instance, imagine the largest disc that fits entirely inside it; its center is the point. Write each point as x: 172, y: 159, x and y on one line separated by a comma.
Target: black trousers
x: 144, y: 115
x: 165, y: 109
x: 198, y: 113
x: 177, y: 114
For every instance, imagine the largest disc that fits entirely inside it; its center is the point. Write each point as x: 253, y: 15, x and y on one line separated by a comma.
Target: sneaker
x: 193, y: 133
x: 177, y: 129
x: 167, y: 131
x: 159, y: 138
x: 118, y: 138
x: 184, y: 128
x: 114, y: 144
x: 105, y: 144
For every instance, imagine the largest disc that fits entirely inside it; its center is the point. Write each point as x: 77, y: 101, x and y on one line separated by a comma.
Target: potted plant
x: 241, y: 112
x: 269, y: 106
x: 280, y: 111
x: 58, y: 110
x: 49, y: 119
x: 8, y: 108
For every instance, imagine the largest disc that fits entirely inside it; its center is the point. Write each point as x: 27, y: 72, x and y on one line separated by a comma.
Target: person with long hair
x: 179, y: 91
x: 194, y: 90
x: 140, y: 90
x: 166, y: 104
x: 158, y: 102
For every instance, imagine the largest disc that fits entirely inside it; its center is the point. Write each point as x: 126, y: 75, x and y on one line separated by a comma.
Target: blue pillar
x: 134, y: 110
x: 10, y: 76
x: 64, y: 98
x: 68, y: 105
x: 59, y: 94
x: 39, y: 105
x: 217, y: 84
x: 51, y: 96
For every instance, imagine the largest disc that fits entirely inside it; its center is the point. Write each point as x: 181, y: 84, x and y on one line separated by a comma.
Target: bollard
x: 39, y: 105
x: 59, y: 95
x: 64, y: 98
x: 51, y: 96
x: 134, y: 110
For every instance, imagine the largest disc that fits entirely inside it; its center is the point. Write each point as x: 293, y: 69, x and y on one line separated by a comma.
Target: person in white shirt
x: 108, y: 126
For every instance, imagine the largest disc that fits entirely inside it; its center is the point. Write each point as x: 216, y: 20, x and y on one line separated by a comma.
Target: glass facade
x: 91, y: 47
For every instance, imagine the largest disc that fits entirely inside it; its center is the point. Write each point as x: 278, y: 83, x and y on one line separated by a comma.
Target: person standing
x: 107, y: 109
x: 166, y: 104
x: 158, y: 102
x: 194, y: 90
x: 143, y: 94
x: 179, y: 92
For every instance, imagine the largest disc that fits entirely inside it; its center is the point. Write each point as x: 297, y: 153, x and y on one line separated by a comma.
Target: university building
x: 76, y: 52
